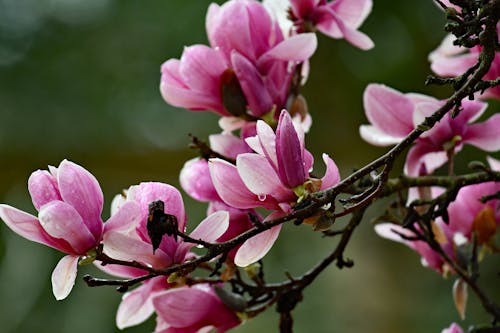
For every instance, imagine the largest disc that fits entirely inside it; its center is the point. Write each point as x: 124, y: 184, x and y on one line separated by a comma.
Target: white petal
x: 63, y: 276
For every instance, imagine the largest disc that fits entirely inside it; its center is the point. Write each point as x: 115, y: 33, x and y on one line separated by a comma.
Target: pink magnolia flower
x: 394, y: 115
x: 429, y: 257
x: 454, y: 328
x: 69, y: 203
x: 248, y: 66
x: 467, y: 215
x: 452, y: 60
x: 337, y: 19
x: 273, y: 177
x: 192, y: 309
x: 126, y: 238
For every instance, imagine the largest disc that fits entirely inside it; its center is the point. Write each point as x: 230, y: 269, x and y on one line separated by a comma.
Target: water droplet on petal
x: 262, y: 197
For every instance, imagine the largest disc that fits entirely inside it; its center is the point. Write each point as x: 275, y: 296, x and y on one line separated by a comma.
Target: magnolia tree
x: 257, y: 174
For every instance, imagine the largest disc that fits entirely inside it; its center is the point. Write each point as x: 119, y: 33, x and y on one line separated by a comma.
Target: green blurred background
x: 79, y: 80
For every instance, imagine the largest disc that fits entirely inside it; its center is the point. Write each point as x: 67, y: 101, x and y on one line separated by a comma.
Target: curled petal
x: 332, y: 175
x: 60, y: 220
x: 80, y: 189
x: 43, y: 188
x: 63, y: 276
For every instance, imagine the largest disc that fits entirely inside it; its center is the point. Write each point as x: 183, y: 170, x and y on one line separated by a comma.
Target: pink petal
x: 228, y: 145
x: 267, y: 140
x: 415, y: 159
x: 302, y: 8
x: 176, y: 93
x: 352, y: 12
x: 63, y: 276
x: 260, y: 178
x: 392, y: 232
x: 124, y: 272
x: 147, y: 192
x: 332, y: 176
x: 183, y: 307
x: 196, y: 181
x: 193, y: 309
x: 485, y: 135
x: 252, y: 83
x: 201, y: 68
x: 295, y: 48
x: 80, y: 189
x: 336, y: 24
x: 127, y: 247
x: 388, y: 110
x: 211, y: 21
x: 493, y: 163
x: 28, y: 226
x: 377, y: 137
x: 289, y: 153
x: 127, y: 218
x: 229, y: 185
x: 60, y: 220
x: 257, y: 247
x: 454, y: 328
x: 43, y: 188
x: 137, y: 305
x: 212, y: 227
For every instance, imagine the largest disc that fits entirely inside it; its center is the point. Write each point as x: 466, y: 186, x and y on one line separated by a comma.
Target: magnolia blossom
x: 429, y: 257
x: 194, y: 309
x: 453, y: 60
x: 337, y: 19
x: 393, y: 115
x: 454, y: 328
x: 273, y: 177
x: 249, y: 64
x: 126, y: 238
x: 467, y: 216
x: 69, y: 203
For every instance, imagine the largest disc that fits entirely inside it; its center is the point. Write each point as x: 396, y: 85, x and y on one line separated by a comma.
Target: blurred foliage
x: 79, y: 80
